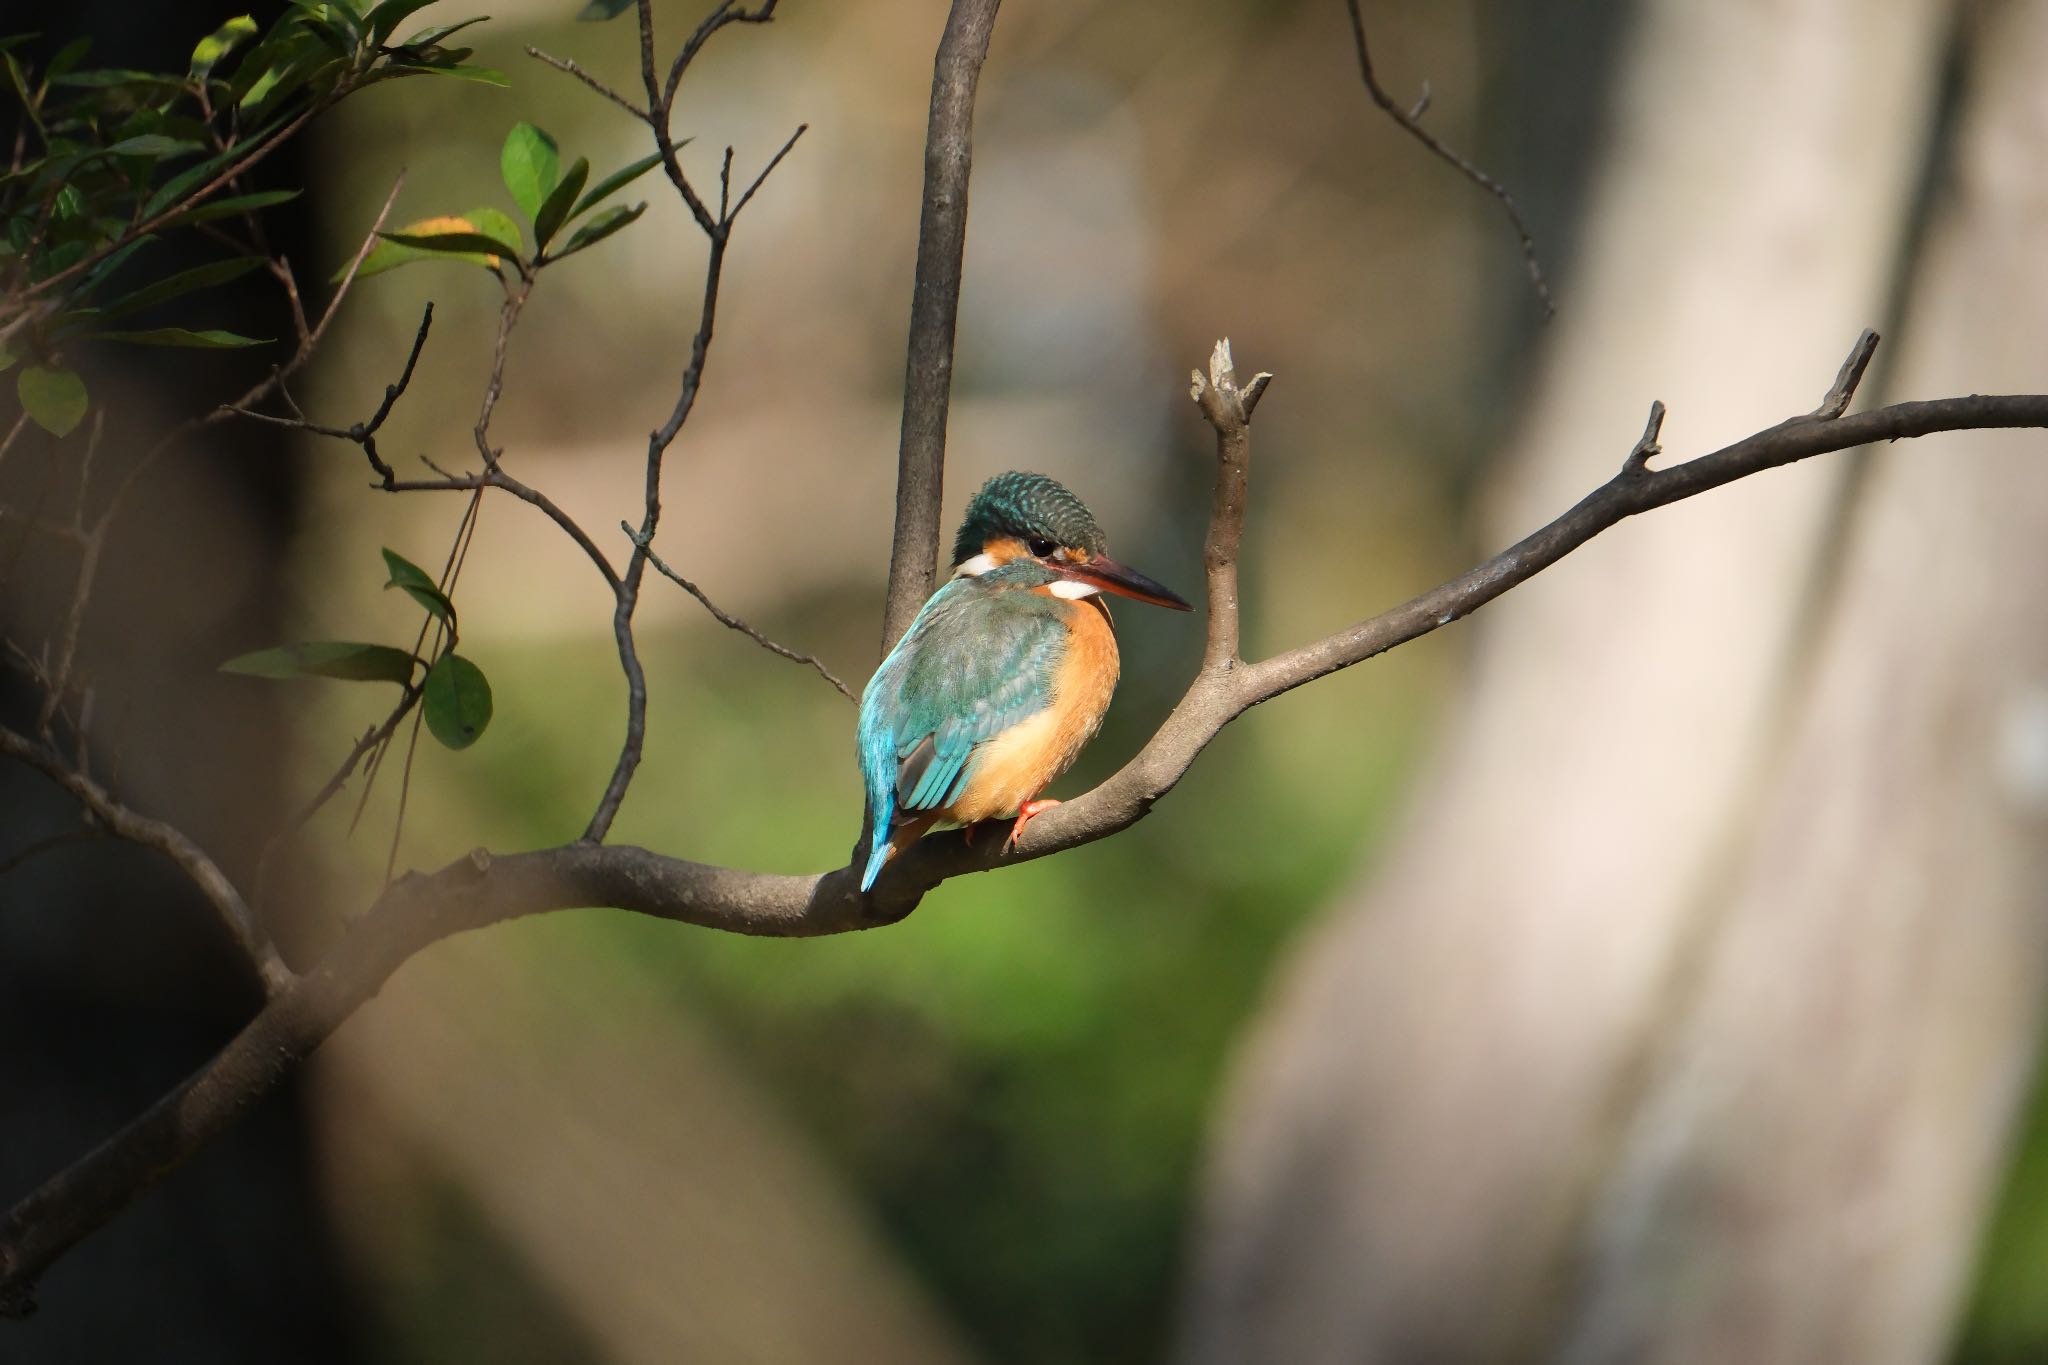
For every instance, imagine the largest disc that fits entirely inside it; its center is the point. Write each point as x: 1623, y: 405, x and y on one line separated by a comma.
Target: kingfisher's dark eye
x: 1040, y: 546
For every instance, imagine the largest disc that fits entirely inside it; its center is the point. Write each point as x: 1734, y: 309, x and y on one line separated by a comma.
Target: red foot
x: 1030, y: 809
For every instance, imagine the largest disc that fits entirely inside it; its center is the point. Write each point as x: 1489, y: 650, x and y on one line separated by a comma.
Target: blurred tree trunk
x: 1685, y: 1019
x: 116, y: 977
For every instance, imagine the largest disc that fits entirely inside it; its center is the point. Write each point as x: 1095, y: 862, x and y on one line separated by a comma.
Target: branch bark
x: 481, y: 890
x: 117, y: 819
x: 934, y: 309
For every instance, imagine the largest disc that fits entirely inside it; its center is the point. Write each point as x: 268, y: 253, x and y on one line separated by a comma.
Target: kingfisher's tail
x: 875, y: 860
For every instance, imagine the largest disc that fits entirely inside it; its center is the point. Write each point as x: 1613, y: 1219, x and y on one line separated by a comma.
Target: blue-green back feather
x: 980, y: 658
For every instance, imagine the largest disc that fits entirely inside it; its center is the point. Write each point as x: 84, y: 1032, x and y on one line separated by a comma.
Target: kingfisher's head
x: 1029, y: 516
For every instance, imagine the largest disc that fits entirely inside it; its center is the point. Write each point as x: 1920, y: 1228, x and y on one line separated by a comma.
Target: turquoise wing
x: 976, y: 661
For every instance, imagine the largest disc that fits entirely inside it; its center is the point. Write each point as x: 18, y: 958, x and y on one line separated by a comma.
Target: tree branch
x: 481, y: 890
x: 934, y: 310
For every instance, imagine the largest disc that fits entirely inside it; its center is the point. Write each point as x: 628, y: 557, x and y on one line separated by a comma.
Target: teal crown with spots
x: 1028, y: 507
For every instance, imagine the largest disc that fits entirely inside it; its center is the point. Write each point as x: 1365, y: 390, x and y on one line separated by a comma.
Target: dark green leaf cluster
x: 454, y: 695
x: 110, y: 161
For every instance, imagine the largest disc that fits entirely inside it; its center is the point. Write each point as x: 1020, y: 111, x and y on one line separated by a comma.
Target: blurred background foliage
x: 972, y: 1136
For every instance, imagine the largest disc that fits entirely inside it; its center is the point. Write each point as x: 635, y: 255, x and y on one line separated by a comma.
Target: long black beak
x: 1110, y: 576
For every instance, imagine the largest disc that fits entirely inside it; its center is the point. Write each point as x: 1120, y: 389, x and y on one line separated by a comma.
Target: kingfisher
x: 1005, y: 673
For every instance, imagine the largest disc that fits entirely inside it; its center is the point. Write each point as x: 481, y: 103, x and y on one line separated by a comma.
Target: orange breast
x: 1023, y: 761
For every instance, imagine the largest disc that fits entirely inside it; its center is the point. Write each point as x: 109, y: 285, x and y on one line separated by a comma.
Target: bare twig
x: 92, y: 544
x: 263, y: 388
x: 533, y: 497
x: 1410, y: 121
x: 934, y: 310
x: 13, y: 432
x: 119, y: 820
x: 49, y: 843
x: 658, y: 442
x: 728, y: 12
x: 363, y: 434
x: 570, y: 68
x: 727, y: 619
x: 718, y: 230
x: 766, y: 171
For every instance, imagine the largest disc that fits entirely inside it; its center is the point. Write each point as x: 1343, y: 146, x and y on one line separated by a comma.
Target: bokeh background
x: 1651, y: 969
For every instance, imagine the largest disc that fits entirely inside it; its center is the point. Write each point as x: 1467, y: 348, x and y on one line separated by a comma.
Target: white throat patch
x: 1072, y: 590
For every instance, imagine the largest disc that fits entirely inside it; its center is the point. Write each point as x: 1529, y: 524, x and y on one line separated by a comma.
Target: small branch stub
x: 1228, y: 408
x: 1638, y: 460
x: 1848, y: 377
x: 1223, y: 403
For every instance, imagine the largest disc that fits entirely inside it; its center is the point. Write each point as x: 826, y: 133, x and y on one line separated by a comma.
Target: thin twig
x: 119, y: 820
x: 263, y: 388
x: 766, y: 171
x: 93, y: 544
x: 570, y: 68
x: 1410, y: 122
x: 718, y: 231
x: 49, y: 843
x: 363, y: 434
x: 726, y: 618
x: 13, y: 432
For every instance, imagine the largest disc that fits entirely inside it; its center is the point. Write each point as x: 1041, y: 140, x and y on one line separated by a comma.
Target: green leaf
x: 327, y: 659
x: 420, y: 585
x: 55, y: 399
x: 93, y: 278
x: 597, y: 11
x: 555, y: 208
x: 389, y: 15
x: 452, y: 243
x: 184, y: 282
x: 220, y: 43
x: 8, y: 355
x: 337, y: 22
x: 495, y: 223
x: 211, y: 340
x: 617, y: 181
x: 154, y: 144
x: 427, y: 37
x: 457, y: 701
x: 482, y: 75
x: 396, y: 249
x: 601, y: 227
x: 232, y: 206
x: 68, y: 56
x: 103, y: 79
x: 193, y: 176
x: 529, y: 163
